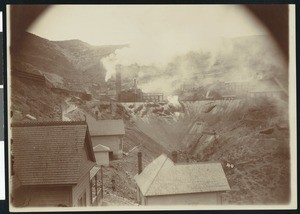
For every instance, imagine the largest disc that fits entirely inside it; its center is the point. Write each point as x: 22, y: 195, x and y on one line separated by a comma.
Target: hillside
x: 71, y: 64
x: 72, y: 59
x: 251, y: 134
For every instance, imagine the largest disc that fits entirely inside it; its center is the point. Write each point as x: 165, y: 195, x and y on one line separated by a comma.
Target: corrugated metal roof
x: 50, y: 154
x: 106, y: 127
x: 101, y: 148
x: 163, y: 177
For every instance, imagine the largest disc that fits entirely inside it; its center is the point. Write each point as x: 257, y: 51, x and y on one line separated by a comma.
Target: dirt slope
x: 252, y: 134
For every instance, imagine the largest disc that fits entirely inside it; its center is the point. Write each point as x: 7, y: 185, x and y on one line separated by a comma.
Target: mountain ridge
x: 68, y: 59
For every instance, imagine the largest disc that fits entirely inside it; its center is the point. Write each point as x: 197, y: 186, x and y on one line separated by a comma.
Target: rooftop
x: 47, y: 123
x: 50, y: 152
x: 163, y: 177
x: 105, y: 127
x: 100, y: 148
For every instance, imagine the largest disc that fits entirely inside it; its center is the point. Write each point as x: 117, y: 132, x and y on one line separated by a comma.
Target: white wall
x: 185, y: 199
x: 113, y: 142
x: 102, y: 158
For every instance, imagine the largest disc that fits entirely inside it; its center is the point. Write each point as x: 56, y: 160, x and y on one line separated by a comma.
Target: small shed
x: 54, y: 165
x: 108, y: 133
x: 163, y: 182
x: 103, y: 154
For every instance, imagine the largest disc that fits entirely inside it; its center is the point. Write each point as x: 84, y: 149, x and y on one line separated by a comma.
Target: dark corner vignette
x: 124, y: 110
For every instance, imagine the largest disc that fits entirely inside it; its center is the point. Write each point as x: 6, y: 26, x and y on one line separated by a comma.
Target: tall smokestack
x: 118, y: 79
x: 174, y: 156
x: 140, y: 167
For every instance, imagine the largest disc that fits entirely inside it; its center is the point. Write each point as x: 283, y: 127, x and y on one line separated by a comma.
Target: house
x: 163, y: 182
x: 103, y: 155
x: 108, y: 133
x: 53, y: 165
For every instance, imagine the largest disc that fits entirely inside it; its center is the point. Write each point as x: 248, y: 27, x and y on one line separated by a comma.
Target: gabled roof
x: 163, y: 177
x: 101, y: 148
x: 105, y: 127
x: 51, y: 152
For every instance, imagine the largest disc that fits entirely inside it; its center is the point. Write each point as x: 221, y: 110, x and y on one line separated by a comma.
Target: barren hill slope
x: 252, y: 134
x: 71, y: 59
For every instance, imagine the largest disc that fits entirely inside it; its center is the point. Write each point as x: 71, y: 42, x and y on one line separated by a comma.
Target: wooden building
x: 53, y: 165
x: 81, y: 94
x: 163, y: 182
x: 103, y: 155
x: 30, y: 75
x: 131, y: 95
x: 266, y: 88
x: 153, y: 97
x: 108, y: 133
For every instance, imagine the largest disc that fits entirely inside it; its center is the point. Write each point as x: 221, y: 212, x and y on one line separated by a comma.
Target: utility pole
x: 101, y: 172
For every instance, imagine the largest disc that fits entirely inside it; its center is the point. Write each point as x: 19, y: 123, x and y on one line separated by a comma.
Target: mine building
x: 153, y: 97
x: 108, y: 133
x: 266, y: 88
x: 131, y: 95
x: 163, y: 182
x: 66, y: 92
x: 53, y: 165
x: 30, y: 75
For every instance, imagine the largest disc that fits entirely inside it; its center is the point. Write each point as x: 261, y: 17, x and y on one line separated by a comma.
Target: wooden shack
x: 108, y: 133
x: 54, y: 165
x: 103, y: 155
x: 163, y: 182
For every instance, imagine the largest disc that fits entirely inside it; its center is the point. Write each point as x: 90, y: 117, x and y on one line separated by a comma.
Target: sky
x: 155, y: 33
x: 123, y: 24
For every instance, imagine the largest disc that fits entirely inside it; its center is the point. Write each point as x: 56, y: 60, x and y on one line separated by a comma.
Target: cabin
x: 53, y: 165
x: 108, y: 133
x: 103, y: 155
x: 164, y: 182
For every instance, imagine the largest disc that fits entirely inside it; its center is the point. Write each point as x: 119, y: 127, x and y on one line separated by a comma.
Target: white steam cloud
x: 164, y: 33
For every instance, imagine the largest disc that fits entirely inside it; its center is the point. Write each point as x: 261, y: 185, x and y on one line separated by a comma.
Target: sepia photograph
x: 140, y: 107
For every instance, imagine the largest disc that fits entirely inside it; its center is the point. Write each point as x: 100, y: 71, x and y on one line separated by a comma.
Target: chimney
x: 118, y: 79
x: 135, y: 84
x: 174, y: 156
x: 140, y: 167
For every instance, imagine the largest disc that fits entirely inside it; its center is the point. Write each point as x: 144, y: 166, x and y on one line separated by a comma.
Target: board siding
x: 45, y: 196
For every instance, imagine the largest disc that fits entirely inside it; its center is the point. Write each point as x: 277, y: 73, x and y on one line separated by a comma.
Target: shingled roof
x: 106, y: 127
x: 163, y: 177
x: 51, y: 152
